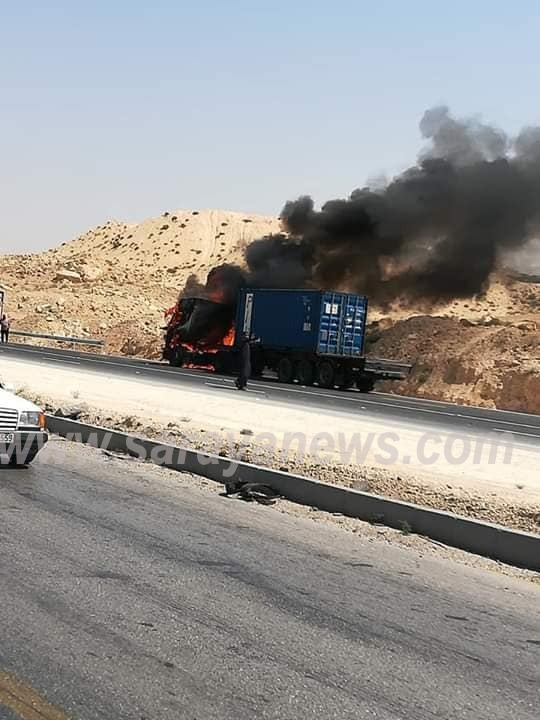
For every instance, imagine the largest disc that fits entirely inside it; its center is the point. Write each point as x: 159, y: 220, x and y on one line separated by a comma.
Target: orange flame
x: 195, y: 366
x: 229, y: 338
x: 175, y: 315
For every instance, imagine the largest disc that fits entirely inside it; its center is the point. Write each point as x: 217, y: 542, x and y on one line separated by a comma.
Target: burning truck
x: 305, y: 336
x: 435, y: 233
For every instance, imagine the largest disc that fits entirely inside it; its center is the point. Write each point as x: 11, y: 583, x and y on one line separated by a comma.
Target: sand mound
x: 176, y: 243
x: 491, y: 363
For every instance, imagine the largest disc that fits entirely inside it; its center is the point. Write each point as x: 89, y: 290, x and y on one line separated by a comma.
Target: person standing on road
x: 244, y: 347
x: 5, y: 324
x: 245, y: 361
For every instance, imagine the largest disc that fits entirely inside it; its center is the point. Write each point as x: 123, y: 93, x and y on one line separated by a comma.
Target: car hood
x: 15, y: 402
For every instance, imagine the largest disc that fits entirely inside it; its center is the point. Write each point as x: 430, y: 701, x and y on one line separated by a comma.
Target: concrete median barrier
x: 493, y: 541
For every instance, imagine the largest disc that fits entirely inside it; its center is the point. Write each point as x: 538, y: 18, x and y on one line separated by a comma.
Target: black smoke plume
x: 435, y: 232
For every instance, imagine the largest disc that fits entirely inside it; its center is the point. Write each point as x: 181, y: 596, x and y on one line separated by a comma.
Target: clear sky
x: 123, y: 109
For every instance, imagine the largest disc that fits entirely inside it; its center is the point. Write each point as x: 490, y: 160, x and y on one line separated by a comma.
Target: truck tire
x: 365, y: 384
x: 176, y: 357
x: 344, y: 379
x: 326, y: 374
x: 305, y: 372
x: 285, y: 370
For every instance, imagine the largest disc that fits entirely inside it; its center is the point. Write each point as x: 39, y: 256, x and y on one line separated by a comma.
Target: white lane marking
x: 413, y: 400
x: 119, y: 364
x: 289, y: 388
x: 403, y: 407
x: 509, y: 432
x: 71, y: 362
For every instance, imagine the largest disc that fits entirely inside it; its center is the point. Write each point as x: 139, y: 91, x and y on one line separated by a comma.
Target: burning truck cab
x: 305, y: 336
x: 198, y: 331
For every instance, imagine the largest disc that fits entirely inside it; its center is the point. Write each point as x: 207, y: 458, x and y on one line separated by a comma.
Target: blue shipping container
x: 313, y: 321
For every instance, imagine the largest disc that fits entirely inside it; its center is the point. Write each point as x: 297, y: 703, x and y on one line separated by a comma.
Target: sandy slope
x: 116, y: 281
x: 177, y: 242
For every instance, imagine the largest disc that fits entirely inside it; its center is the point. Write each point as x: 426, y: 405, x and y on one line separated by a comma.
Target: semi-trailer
x: 305, y: 336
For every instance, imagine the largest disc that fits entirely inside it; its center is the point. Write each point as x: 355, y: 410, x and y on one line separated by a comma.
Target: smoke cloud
x: 435, y: 232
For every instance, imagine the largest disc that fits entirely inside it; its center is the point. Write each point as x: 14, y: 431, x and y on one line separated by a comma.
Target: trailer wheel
x: 285, y: 370
x: 344, y: 379
x: 326, y: 374
x: 305, y: 372
x: 365, y: 384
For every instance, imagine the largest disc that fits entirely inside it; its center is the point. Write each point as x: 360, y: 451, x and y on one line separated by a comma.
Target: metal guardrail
x: 59, y: 338
x: 388, y: 368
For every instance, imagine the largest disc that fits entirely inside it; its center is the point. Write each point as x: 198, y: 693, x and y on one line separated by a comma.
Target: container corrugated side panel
x: 282, y: 319
x: 329, y: 326
x: 342, y: 324
x: 354, y: 328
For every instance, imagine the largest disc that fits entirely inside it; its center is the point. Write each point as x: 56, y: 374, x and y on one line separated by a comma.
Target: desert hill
x: 176, y: 242
x: 115, y: 282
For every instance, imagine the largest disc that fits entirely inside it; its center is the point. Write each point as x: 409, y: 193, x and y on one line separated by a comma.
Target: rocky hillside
x: 116, y: 281
x: 492, y: 363
x: 483, y: 351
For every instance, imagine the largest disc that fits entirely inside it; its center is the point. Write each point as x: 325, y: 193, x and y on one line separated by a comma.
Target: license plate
x: 7, y: 438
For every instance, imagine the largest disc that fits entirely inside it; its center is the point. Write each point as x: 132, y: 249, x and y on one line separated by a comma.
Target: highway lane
x: 526, y: 427
x: 127, y: 593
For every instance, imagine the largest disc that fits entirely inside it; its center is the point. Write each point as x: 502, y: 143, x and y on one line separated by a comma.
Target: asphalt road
x: 126, y: 594
x: 458, y: 418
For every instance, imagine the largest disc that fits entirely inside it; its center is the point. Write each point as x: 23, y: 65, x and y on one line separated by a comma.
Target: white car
x: 23, y: 431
